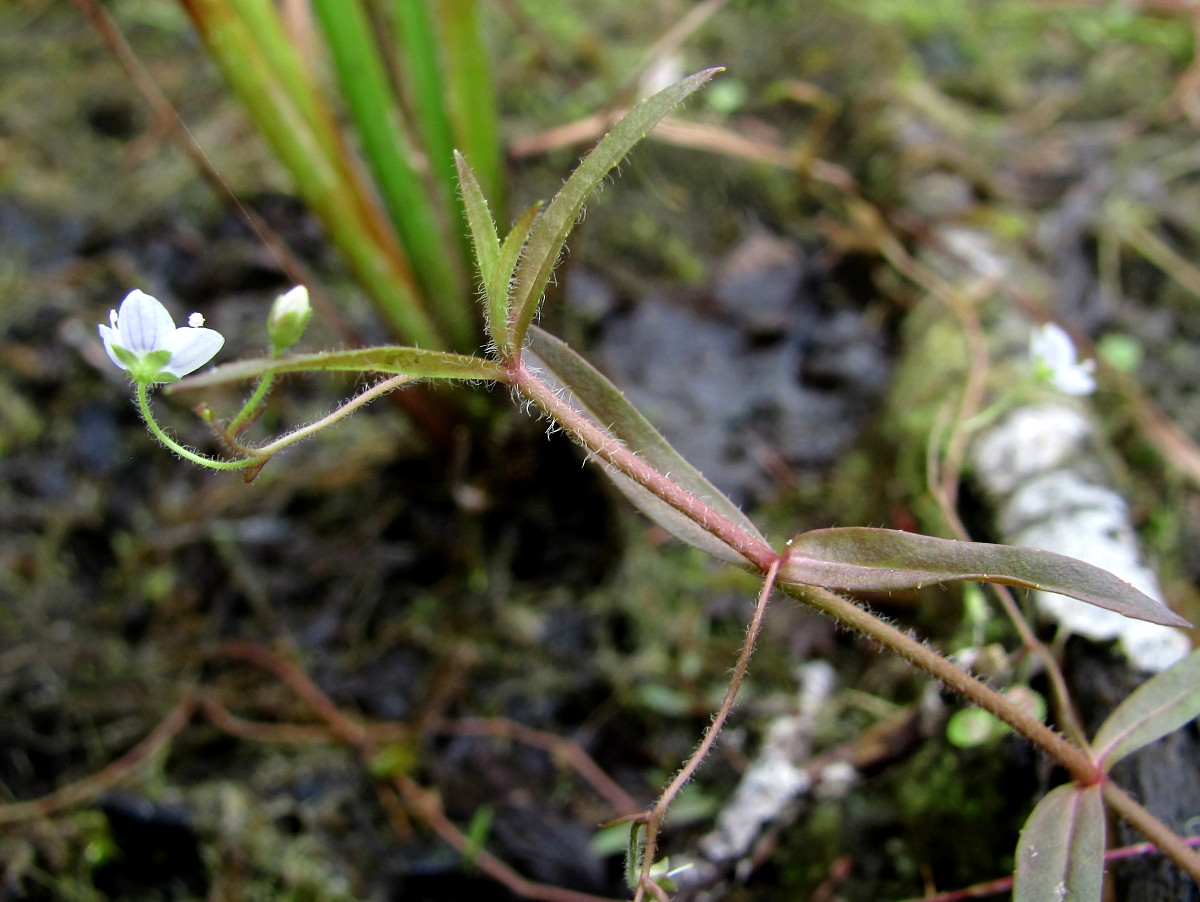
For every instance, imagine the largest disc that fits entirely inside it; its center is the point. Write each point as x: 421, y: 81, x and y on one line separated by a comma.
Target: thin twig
x: 417, y: 801
x: 88, y: 788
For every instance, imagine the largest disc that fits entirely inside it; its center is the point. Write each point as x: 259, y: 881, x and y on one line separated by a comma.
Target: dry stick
x: 89, y: 787
x: 659, y: 811
x: 562, y: 749
x: 417, y: 800
x: 559, y: 747
x: 429, y: 808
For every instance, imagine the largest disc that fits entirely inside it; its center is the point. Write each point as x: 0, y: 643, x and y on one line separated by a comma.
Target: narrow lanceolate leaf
x: 500, y: 285
x: 479, y: 219
x: 551, y: 230
x: 1159, y: 706
x: 862, y: 559
x: 1060, y: 854
x: 594, y: 396
x: 387, y: 359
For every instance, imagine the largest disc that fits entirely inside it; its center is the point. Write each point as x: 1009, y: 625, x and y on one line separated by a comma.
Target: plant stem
x: 210, y: 462
x: 349, y: 407
x: 659, y: 811
x: 1082, y: 768
x: 1153, y: 829
x: 608, y: 449
x: 251, y: 408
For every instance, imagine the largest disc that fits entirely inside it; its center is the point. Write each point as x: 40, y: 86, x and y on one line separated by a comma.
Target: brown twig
x: 416, y: 801
x: 88, y: 788
x: 559, y: 747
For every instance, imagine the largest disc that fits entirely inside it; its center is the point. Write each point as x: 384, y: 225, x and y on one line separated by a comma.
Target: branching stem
x: 204, y: 461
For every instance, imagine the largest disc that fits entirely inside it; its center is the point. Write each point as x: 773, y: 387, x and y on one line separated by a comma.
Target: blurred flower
x: 141, y: 339
x: 1055, y: 361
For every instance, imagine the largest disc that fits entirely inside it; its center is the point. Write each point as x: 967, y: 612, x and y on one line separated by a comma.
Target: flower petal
x: 1075, y: 380
x: 143, y: 324
x: 191, y: 348
x: 110, y: 337
x: 1053, y: 346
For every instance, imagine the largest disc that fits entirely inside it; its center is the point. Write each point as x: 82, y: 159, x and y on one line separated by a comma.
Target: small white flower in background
x: 1056, y: 362
x: 141, y: 339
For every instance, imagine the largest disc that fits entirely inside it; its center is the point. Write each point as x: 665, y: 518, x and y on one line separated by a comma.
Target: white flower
x: 142, y: 339
x: 1055, y: 361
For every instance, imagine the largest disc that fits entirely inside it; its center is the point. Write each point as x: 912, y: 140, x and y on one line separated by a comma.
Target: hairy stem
x: 608, y: 449
x: 1153, y: 829
x: 203, y: 460
x: 1082, y: 768
x: 659, y: 811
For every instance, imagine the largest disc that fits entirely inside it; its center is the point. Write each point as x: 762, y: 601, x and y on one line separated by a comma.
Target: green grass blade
x: 261, y: 18
x: 321, y: 181
x: 387, y: 147
x: 551, y: 230
x: 423, y: 87
x: 469, y: 94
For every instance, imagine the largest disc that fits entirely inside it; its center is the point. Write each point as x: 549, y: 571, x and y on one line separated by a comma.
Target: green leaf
x: 1159, y: 706
x: 1060, y: 854
x: 858, y: 558
x: 551, y: 230
x: 486, y: 242
x: 468, y: 90
x: 510, y: 255
x: 386, y: 359
x: 601, y: 402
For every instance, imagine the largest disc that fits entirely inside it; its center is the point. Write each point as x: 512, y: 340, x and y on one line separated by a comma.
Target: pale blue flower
x: 1055, y: 360
x: 141, y: 339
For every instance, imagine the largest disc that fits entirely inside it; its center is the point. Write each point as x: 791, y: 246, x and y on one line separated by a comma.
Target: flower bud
x: 289, y: 317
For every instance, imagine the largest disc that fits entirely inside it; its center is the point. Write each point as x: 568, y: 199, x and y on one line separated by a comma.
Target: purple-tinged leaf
x: 1060, y: 855
x: 606, y: 407
x: 863, y: 559
x: 1159, y: 706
